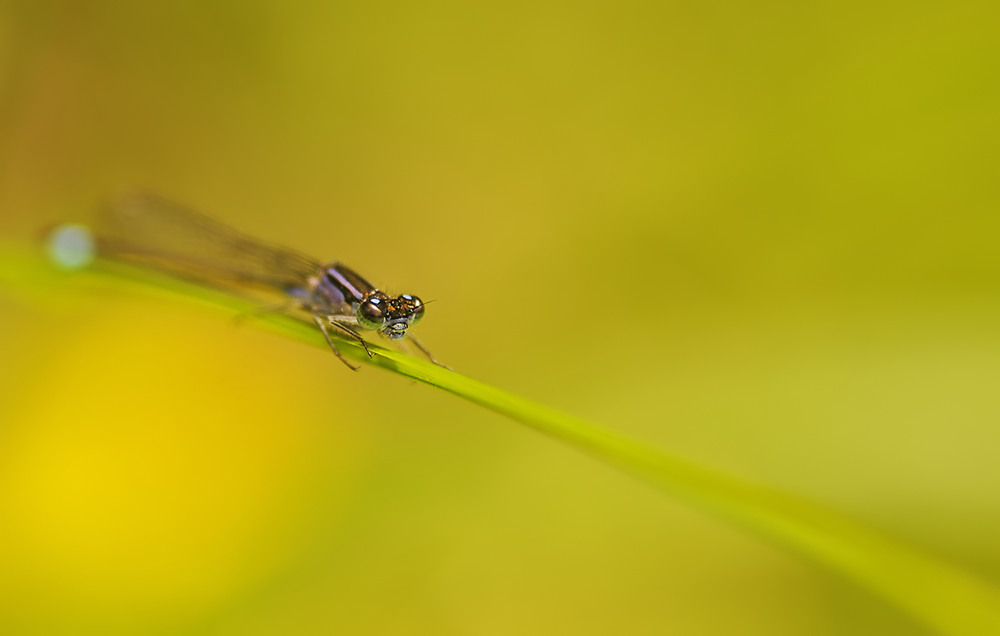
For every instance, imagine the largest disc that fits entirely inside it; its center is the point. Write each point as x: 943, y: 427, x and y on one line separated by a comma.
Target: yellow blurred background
x: 761, y: 235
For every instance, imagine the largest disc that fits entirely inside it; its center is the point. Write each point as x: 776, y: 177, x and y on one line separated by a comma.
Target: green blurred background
x: 762, y: 235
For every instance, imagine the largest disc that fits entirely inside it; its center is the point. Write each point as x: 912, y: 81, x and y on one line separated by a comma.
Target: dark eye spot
x: 371, y: 314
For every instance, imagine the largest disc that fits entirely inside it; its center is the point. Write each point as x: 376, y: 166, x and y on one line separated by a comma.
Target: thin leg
x: 354, y: 335
x: 427, y: 353
x: 329, y: 341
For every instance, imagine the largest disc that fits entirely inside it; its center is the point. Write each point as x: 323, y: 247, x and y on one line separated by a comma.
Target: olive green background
x: 761, y: 235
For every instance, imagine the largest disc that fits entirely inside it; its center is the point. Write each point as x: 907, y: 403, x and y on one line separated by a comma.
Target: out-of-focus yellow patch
x: 154, y: 471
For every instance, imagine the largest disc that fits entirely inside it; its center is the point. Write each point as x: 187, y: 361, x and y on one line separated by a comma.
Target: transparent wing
x: 147, y: 230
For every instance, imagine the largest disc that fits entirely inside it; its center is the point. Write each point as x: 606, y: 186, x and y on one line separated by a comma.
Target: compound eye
x: 416, y: 308
x: 371, y: 314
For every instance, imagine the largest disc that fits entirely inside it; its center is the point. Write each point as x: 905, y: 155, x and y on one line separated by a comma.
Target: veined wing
x: 147, y: 230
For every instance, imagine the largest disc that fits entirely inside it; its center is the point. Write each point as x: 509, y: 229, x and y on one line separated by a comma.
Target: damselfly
x: 146, y: 230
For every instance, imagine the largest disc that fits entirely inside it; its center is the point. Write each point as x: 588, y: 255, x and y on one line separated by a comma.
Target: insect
x: 147, y: 230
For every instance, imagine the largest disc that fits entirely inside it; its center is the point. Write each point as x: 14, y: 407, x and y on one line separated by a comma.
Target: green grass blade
x: 936, y: 593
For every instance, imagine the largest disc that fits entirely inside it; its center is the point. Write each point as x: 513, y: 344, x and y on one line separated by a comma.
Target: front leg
x: 322, y: 327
